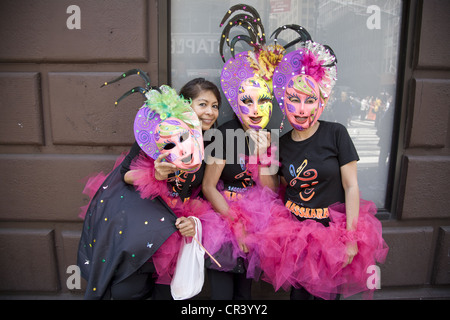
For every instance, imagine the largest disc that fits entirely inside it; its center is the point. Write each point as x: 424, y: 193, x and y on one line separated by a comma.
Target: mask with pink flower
x: 303, y: 82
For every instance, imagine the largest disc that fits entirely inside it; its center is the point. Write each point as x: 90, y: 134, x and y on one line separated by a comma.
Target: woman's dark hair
x: 193, y: 88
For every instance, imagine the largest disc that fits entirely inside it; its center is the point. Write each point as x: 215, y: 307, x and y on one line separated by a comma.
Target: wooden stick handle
x: 220, y: 266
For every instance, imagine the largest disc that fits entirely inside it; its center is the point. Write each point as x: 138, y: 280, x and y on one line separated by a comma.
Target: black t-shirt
x: 235, y: 148
x: 186, y: 183
x: 311, y: 169
x: 126, y: 163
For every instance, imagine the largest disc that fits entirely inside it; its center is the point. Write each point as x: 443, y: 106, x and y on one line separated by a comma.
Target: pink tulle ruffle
x: 288, y: 253
x: 282, y: 251
x: 165, y: 259
x: 215, y: 231
x: 259, y: 220
x: 143, y: 176
x: 93, y: 182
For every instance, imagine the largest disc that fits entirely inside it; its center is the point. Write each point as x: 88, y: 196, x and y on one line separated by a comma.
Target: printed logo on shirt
x: 232, y: 196
x: 306, y: 179
x: 308, y: 213
x: 178, y: 181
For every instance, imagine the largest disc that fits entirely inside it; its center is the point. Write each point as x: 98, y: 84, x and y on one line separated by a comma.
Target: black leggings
x: 140, y: 285
x: 229, y: 285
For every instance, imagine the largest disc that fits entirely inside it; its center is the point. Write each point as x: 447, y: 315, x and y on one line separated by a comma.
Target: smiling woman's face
x: 206, y: 107
x: 173, y: 136
x: 303, y: 103
x: 255, y: 104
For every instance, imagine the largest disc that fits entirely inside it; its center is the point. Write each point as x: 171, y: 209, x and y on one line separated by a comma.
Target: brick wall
x: 57, y: 126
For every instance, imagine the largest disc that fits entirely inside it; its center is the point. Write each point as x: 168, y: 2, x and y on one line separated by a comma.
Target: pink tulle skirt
x: 215, y: 231
x: 282, y: 250
x: 93, y: 182
x: 288, y: 253
x: 165, y: 258
x: 215, y: 235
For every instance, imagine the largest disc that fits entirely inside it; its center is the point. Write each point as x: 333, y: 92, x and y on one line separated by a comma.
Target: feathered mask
x: 257, y: 65
x: 312, y: 59
x: 308, y: 73
x: 166, y: 124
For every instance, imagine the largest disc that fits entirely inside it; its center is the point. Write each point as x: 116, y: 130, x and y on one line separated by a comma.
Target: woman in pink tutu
x: 129, y: 245
x: 228, y: 183
x: 337, y: 236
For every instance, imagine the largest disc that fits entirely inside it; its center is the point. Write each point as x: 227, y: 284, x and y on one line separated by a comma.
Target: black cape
x: 121, y: 232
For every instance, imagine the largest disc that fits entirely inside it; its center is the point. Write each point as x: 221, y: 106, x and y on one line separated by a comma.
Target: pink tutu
x: 321, y: 270
x: 215, y: 232
x: 282, y: 251
x: 94, y: 182
x: 287, y: 253
x: 165, y: 259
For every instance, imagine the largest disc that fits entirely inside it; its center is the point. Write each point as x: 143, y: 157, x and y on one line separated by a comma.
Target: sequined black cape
x: 121, y: 232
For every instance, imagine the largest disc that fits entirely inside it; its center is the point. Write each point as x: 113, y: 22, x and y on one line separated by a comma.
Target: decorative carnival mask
x: 303, y: 80
x: 246, y: 79
x: 255, y: 103
x: 166, y: 124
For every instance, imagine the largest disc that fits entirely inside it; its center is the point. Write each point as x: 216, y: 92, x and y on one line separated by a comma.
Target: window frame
x: 394, y: 182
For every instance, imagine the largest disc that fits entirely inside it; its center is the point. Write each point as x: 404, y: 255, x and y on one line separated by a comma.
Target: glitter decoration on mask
x: 316, y: 64
x: 162, y: 104
x: 255, y: 64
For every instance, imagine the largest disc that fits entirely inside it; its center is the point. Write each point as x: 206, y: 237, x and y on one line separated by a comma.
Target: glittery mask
x: 166, y: 123
x: 303, y: 104
x: 254, y: 103
x: 303, y: 82
x: 247, y: 76
x: 173, y: 136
